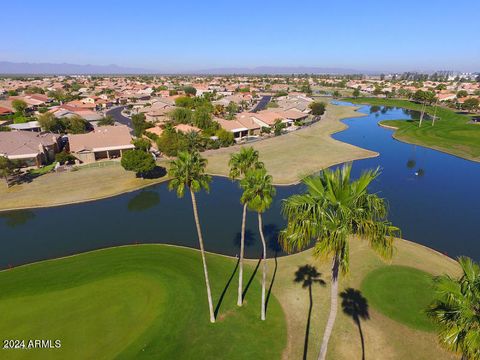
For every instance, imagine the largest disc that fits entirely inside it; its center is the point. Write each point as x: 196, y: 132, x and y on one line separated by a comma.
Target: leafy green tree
x: 317, y: 107
x: 258, y: 193
x: 139, y: 124
x: 19, y: 106
x: 76, y: 125
x: 378, y: 90
x: 7, y: 168
x: 461, y: 94
x: 332, y: 210
x: 188, y: 171
x: 193, y: 141
x: 64, y: 158
x: 306, y: 88
x: 456, y: 309
x: 278, y: 127
x: 471, y: 104
x: 225, y: 137
x: 49, y: 122
x: 356, y: 93
x: 202, y: 118
x: 232, y: 109
x: 181, y: 115
x: 142, y: 144
x: 138, y: 161
x: 336, y: 94
x: 106, y: 121
x: 184, y: 101
x: 190, y: 90
x: 240, y: 163
x: 171, y: 142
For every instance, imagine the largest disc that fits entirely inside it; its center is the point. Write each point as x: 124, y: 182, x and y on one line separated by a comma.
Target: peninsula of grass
x: 452, y: 133
x: 401, y: 293
x: 137, y: 302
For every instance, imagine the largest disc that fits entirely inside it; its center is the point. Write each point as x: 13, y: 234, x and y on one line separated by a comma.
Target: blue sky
x: 383, y: 35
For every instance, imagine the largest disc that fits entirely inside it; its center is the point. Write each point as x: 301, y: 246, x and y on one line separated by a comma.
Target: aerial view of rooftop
x: 240, y: 180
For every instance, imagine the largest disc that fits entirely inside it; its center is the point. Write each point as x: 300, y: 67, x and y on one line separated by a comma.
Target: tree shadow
x: 355, y: 306
x: 251, y: 279
x: 17, y: 217
x: 249, y: 238
x: 156, y: 173
x: 308, y: 275
x: 144, y: 200
x: 227, y: 285
x: 271, y: 232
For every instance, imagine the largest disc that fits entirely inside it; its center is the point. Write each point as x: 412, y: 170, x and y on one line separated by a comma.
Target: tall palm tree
x: 246, y: 159
x: 258, y: 193
x: 333, y: 208
x: 457, y: 310
x: 188, y: 171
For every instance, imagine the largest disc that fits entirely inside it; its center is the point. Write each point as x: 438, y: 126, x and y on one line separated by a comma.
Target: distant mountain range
x: 282, y: 70
x: 11, y: 68
x: 7, y: 67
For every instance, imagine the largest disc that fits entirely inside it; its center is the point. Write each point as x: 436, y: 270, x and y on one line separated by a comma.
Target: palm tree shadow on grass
x: 308, y: 275
x: 271, y: 233
x: 227, y: 285
x: 244, y: 294
x: 355, y: 306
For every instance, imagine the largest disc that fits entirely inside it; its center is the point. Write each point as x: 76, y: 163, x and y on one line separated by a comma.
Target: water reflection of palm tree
x: 411, y: 163
x: 355, y: 306
x: 308, y: 275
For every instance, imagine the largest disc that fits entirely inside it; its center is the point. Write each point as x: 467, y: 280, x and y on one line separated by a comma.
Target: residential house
x: 30, y: 148
x: 104, y: 142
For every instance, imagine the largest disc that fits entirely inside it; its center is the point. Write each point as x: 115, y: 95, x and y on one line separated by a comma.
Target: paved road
x: 262, y: 104
x: 116, y: 113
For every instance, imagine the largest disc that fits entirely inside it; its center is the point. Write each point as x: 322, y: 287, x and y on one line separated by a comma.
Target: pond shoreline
x: 352, y: 157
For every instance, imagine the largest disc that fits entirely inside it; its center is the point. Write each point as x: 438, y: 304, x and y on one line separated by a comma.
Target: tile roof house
x: 31, y: 148
x: 104, y: 142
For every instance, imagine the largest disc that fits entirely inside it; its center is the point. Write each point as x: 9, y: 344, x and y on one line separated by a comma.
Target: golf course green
x: 146, y: 301
x: 401, y: 293
x: 452, y: 133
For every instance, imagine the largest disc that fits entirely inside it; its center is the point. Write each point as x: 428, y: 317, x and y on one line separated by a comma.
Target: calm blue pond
x: 439, y: 207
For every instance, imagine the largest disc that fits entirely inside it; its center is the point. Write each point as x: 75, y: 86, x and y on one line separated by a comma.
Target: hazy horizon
x: 192, y: 36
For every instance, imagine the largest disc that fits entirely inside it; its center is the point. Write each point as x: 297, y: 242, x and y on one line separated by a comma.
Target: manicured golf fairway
x: 401, y: 293
x: 145, y: 301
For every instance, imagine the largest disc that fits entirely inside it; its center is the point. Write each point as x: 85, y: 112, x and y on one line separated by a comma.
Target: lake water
x: 438, y: 207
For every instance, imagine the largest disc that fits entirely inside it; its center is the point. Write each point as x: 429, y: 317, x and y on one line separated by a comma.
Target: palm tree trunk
x: 264, y: 275
x: 333, y: 309
x: 421, y: 116
x: 435, y: 113
x: 242, y: 247
x: 202, y: 251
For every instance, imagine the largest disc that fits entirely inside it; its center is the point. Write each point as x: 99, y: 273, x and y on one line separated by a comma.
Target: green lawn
x: 136, y: 302
x: 451, y: 134
x: 401, y: 293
